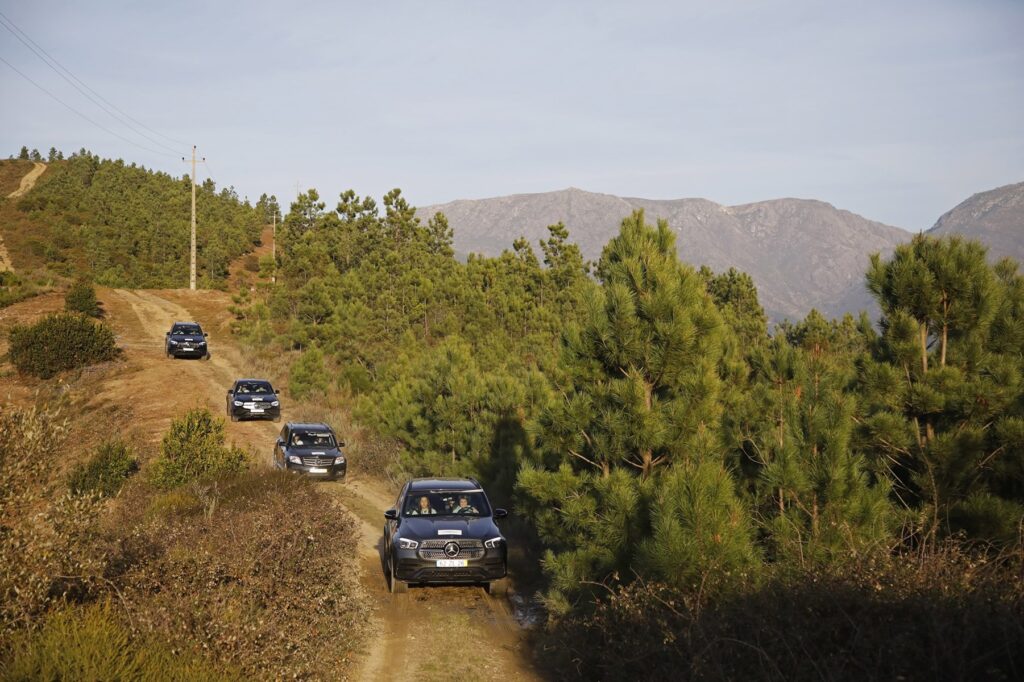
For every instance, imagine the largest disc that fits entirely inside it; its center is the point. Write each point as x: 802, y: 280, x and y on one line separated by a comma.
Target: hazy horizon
x: 896, y: 113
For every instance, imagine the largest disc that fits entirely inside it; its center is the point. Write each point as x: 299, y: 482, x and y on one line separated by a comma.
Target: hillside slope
x: 995, y: 217
x: 801, y: 253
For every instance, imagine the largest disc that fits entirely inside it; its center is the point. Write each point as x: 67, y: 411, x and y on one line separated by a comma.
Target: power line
x: 53, y: 64
x: 209, y: 171
x: 79, y: 113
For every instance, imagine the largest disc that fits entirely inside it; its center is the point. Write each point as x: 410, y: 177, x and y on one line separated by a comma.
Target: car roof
x: 264, y: 381
x: 193, y: 324
x: 310, y: 426
x: 443, y: 484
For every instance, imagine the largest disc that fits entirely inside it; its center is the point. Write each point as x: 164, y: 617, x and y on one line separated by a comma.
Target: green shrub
x: 194, y: 448
x: 60, y: 342
x: 92, y: 644
x: 81, y: 298
x: 105, y: 472
x: 308, y: 376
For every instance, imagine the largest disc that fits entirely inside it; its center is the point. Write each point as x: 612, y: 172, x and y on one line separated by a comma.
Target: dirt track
x: 29, y: 181
x: 428, y: 633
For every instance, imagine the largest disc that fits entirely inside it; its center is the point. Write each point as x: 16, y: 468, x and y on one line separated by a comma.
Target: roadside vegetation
x: 60, y: 342
x: 106, y: 575
x: 671, y: 457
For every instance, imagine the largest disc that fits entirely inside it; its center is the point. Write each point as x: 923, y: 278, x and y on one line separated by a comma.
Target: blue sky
x: 894, y: 110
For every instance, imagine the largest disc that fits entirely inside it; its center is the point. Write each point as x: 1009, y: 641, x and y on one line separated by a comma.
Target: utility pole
x: 273, y: 249
x: 192, y: 262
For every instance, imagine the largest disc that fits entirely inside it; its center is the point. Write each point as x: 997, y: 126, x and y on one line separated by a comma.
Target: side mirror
x: 280, y: 441
x: 230, y: 391
x: 341, y: 443
x: 500, y: 513
x: 391, y: 515
x: 167, y: 333
x: 205, y: 334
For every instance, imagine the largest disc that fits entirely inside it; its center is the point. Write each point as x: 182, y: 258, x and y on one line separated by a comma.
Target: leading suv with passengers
x: 443, y: 530
x: 186, y: 340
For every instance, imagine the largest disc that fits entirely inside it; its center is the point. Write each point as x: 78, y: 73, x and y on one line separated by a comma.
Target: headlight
x: 494, y: 543
x: 406, y: 543
x: 294, y: 459
x: 172, y: 342
x: 275, y: 404
x: 238, y: 403
x: 339, y: 460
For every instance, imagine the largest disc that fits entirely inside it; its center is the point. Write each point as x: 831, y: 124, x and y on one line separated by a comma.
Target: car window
x: 190, y: 329
x: 254, y: 387
x: 446, y: 503
x: 312, y: 439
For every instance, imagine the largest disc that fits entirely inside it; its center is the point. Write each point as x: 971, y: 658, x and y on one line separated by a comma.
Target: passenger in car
x: 423, y: 507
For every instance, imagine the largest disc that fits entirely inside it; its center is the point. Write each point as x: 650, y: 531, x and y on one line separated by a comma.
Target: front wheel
x: 206, y: 357
x: 397, y: 586
x: 498, y: 588
x: 277, y: 419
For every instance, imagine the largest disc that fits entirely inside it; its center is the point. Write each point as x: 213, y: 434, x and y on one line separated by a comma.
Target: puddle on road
x: 528, y: 610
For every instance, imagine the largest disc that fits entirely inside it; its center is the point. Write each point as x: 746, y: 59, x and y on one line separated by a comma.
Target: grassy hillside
x: 123, y: 224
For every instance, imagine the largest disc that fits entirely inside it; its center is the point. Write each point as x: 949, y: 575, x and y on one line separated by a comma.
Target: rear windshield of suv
x: 446, y: 503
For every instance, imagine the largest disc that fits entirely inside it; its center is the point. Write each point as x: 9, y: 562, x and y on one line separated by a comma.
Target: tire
x: 498, y: 588
x: 206, y: 357
x: 233, y: 417
x: 397, y: 586
x: 170, y: 355
x: 277, y: 419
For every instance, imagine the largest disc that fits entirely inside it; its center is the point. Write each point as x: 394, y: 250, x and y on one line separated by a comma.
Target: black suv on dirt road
x: 442, y: 530
x: 253, y: 399
x: 310, y: 449
x: 186, y: 340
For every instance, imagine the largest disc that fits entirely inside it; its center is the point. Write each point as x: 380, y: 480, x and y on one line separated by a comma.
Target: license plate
x: 452, y: 563
x: 317, y: 470
x: 256, y: 410
x: 186, y: 347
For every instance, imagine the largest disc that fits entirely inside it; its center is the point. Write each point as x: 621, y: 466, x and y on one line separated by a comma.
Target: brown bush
x: 249, y: 570
x: 948, y: 616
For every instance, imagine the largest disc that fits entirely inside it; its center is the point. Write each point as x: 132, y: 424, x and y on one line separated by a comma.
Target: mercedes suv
x: 186, y: 340
x: 253, y: 399
x: 443, y: 530
x: 310, y: 449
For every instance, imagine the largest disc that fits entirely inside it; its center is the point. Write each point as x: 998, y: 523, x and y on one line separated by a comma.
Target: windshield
x: 188, y: 329
x: 312, y: 439
x: 254, y: 388
x: 446, y: 503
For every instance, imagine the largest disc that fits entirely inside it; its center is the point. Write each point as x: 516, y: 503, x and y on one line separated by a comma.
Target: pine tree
x: 946, y: 385
x: 641, y: 395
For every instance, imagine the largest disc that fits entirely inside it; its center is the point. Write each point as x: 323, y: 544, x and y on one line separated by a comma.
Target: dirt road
x: 29, y: 181
x: 427, y: 633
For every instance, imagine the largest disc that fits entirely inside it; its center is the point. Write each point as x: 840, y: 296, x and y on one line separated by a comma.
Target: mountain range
x: 801, y: 253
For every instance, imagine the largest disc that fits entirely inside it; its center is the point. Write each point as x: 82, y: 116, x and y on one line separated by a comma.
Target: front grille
x: 468, y: 549
x: 317, y: 461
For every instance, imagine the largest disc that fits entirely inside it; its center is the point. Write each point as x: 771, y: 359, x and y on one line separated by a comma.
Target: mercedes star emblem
x: 451, y: 550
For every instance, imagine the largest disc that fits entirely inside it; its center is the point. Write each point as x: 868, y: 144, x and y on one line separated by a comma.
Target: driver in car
x: 464, y: 506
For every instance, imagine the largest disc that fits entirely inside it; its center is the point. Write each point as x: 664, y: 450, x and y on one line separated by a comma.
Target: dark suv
x: 186, y: 340
x: 253, y: 399
x: 310, y: 449
x: 442, y: 530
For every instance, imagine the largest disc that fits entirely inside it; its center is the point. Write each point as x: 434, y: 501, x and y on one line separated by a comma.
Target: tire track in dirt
x: 427, y: 633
